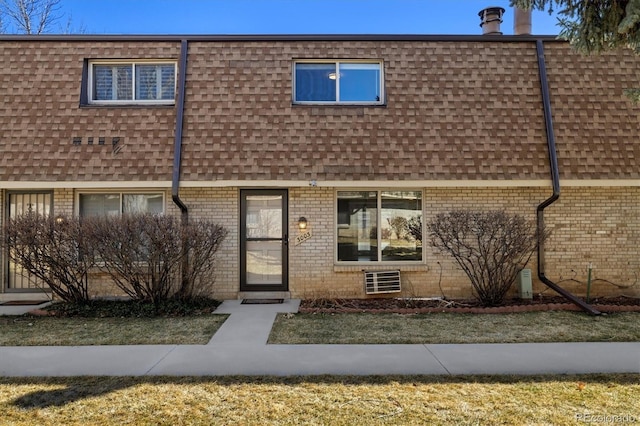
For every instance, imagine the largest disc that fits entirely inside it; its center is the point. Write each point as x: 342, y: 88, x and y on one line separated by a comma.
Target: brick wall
x: 598, y: 226
x: 314, y: 274
x: 311, y: 262
x: 588, y: 225
x: 220, y: 205
x: 63, y: 202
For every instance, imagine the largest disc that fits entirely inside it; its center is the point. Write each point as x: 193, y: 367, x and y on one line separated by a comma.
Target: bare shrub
x: 490, y: 247
x: 139, y: 252
x: 54, y: 250
x: 201, y: 241
x: 154, y: 257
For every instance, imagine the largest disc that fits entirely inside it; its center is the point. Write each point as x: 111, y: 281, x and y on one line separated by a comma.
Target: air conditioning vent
x: 376, y: 282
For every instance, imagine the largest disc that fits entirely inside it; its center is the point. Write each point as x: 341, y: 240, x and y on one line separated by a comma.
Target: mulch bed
x: 419, y: 306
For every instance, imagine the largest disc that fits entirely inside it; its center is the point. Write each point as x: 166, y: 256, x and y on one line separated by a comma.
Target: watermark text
x: 606, y: 418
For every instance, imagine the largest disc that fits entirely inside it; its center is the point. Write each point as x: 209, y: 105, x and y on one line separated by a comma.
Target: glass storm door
x: 18, y: 279
x: 263, y: 240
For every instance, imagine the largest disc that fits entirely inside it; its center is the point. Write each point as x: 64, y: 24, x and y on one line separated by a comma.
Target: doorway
x: 19, y: 203
x: 264, y: 240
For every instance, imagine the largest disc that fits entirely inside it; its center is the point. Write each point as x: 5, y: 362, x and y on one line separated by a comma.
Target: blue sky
x: 290, y: 16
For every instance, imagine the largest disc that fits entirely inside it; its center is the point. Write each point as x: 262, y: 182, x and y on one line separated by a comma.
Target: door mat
x: 23, y: 302
x: 261, y: 301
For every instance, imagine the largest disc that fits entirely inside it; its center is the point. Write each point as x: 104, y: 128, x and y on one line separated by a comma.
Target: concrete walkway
x: 239, y: 348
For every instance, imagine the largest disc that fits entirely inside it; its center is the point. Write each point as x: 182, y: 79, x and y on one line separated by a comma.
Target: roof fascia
x: 277, y: 37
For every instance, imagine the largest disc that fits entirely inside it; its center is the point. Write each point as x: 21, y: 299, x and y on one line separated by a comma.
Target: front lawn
x: 325, y: 400
x: 115, y: 322
x: 76, y: 331
x: 533, y: 327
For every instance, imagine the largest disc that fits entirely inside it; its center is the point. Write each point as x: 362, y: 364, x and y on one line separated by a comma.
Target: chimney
x: 521, y: 21
x: 491, y: 18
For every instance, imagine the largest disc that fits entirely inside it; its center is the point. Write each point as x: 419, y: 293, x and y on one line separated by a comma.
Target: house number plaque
x: 302, y: 237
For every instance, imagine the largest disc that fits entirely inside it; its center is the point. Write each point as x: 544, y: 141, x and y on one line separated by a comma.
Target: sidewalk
x: 239, y: 348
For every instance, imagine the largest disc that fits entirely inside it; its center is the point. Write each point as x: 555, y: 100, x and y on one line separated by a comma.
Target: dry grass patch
x: 534, y: 327
x: 48, y: 331
x: 398, y: 400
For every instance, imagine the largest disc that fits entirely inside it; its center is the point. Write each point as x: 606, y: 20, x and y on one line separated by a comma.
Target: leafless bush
x: 155, y: 257
x: 201, y: 241
x: 490, y: 247
x: 54, y: 250
x: 140, y: 252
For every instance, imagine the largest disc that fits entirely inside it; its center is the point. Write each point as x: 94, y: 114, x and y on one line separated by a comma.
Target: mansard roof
x: 457, y: 108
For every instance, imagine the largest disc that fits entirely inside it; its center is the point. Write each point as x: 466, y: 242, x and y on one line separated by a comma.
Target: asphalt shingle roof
x: 455, y: 110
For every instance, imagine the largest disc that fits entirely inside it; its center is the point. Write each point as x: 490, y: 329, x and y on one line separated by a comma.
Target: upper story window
x: 338, y: 82
x: 132, y: 82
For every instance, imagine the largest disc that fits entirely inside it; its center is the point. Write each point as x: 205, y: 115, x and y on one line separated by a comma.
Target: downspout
x: 555, y: 178
x: 177, y: 145
x: 177, y: 160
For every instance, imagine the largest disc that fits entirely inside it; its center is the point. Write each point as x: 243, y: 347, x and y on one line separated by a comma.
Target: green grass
x: 48, y: 331
x: 323, y: 400
x: 363, y: 328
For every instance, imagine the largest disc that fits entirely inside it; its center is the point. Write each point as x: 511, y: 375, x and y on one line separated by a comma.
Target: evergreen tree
x: 593, y: 26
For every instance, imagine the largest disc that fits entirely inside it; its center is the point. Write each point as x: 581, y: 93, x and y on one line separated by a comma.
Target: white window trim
x: 337, y: 62
x: 120, y: 193
x: 133, y: 63
x: 378, y: 219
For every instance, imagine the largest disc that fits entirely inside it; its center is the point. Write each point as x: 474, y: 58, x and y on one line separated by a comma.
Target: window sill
x: 413, y: 267
x: 340, y: 105
x: 127, y: 105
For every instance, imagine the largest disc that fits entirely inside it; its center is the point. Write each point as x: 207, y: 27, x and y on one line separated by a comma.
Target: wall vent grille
x: 376, y: 282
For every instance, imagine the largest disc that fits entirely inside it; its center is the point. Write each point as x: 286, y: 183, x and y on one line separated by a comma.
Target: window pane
x: 110, y: 204
x: 316, y: 82
x: 124, y: 82
x: 155, y: 81
x: 401, y: 227
x: 102, y: 82
x: 99, y: 204
x: 167, y: 81
x: 146, y: 82
x: 112, y: 82
x: 357, y: 226
x: 264, y: 216
x: 142, y: 203
x: 359, y: 82
x: 264, y: 262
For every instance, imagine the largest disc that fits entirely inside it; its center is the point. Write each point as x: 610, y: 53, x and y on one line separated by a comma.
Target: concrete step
x: 264, y: 295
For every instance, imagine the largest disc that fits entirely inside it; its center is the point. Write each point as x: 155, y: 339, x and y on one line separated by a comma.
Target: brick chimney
x: 491, y: 18
x: 521, y: 21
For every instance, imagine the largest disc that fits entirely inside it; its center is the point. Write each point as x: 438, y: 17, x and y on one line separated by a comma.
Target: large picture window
x: 132, y: 82
x: 374, y: 226
x: 340, y: 82
x: 114, y: 204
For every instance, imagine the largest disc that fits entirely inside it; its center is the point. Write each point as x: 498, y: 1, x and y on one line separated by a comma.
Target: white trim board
x: 541, y: 183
